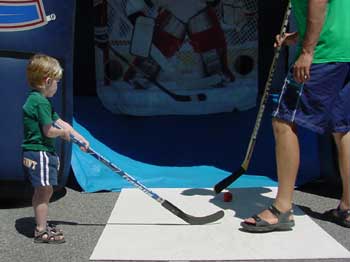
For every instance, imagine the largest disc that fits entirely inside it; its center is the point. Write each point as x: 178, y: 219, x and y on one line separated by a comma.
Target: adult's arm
x: 315, y: 20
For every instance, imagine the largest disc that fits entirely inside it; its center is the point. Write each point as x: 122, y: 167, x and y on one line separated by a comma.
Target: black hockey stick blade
x: 192, y: 220
x: 228, y: 180
x: 202, y: 97
x: 187, y: 98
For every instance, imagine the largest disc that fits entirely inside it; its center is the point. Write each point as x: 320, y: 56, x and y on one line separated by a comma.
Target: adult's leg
x: 287, y: 158
x: 342, y: 141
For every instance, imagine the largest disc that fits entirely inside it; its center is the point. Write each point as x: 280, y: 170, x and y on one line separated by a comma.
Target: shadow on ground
x: 246, y: 201
x: 25, y: 225
x: 323, y: 187
x: 9, y: 201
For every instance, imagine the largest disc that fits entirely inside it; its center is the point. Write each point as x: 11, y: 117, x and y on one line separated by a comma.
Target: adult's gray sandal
x: 284, y: 223
x: 339, y: 216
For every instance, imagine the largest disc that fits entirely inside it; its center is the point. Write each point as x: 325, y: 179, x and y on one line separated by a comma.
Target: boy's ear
x: 48, y: 81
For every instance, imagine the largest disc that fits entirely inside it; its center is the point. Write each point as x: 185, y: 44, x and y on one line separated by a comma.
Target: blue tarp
x: 94, y: 176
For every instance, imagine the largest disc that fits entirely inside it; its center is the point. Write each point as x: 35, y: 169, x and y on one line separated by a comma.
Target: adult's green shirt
x: 37, y: 112
x: 334, y: 41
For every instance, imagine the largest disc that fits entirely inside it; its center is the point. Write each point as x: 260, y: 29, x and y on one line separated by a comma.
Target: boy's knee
x: 43, y: 191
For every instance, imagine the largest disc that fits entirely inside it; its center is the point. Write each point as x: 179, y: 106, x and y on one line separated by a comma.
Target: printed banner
x: 23, y: 15
x: 179, y: 57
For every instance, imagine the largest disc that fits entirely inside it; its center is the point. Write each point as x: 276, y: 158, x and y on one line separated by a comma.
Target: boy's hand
x: 65, y: 134
x: 87, y: 144
x: 84, y: 141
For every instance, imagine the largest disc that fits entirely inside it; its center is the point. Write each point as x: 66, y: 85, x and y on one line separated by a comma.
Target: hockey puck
x: 202, y: 97
x: 227, y: 197
x: 244, y: 64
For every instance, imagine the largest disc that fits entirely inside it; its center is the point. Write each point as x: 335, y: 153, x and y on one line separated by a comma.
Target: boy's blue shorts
x: 322, y: 104
x: 41, y: 168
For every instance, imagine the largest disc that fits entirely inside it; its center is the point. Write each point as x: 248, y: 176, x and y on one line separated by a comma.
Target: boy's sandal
x: 54, y: 229
x: 338, y: 216
x: 261, y: 226
x: 48, y: 237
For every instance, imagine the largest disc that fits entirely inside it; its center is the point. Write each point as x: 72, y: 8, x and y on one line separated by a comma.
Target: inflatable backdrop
x: 28, y: 27
x: 183, y: 57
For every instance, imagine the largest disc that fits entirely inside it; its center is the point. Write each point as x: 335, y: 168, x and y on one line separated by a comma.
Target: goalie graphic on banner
x: 186, y: 47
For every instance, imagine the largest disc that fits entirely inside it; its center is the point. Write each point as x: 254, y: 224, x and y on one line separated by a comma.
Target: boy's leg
x: 342, y: 141
x: 40, y: 201
x: 287, y: 158
x: 41, y: 169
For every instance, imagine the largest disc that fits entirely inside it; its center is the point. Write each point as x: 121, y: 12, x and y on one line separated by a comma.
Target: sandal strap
x: 344, y: 214
x: 54, y: 229
x: 281, y: 216
x: 259, y: 222
x: 274, y: 211
x: 49, y: 225
x: 51, y: 235
x: 257, y: 218
x: 39, y: 234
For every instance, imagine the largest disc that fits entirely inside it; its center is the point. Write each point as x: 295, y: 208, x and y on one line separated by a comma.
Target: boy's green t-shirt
x: 37, y: 112
x: 333, y: 44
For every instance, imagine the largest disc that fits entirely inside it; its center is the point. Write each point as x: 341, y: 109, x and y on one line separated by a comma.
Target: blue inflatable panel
x: 94, y: 176
x: 29, y: 27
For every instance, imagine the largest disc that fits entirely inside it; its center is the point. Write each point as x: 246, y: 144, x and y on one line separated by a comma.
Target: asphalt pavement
x: 83, y: 216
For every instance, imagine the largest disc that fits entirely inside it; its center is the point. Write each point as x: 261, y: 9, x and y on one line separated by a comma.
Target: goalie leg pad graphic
x: 208, y: 39
x: 142, y: 36
x: 211, y: 62
x: 147, y: 65
x: 205, y: 32
x: 169, y: 33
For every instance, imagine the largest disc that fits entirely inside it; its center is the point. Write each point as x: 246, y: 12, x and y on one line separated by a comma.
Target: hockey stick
x: 180, y: 98
x: 235, y: 175
x: 166, y: 204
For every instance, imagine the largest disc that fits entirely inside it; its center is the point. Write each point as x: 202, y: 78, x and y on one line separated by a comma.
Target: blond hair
x: 41, y: 66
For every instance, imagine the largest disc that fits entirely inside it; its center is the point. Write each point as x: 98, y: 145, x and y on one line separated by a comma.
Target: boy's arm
x: 315, y: 20
x: 52, y: 132
x: 71, y: 130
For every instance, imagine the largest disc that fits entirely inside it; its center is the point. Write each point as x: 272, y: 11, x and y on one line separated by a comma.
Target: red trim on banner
x: 40, y: 7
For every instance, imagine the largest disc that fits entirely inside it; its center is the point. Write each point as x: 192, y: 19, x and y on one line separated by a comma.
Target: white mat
x: 139, y: 228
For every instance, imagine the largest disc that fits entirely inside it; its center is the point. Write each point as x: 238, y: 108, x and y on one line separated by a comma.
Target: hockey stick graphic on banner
x: 177, y: 97
x: 235, y: 175
x: 166, y: 204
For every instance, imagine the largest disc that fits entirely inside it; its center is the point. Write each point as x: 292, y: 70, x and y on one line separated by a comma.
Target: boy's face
x: 51, y: 86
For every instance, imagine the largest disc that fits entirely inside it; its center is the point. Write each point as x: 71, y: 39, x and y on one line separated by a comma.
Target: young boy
x: 41, y: 163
